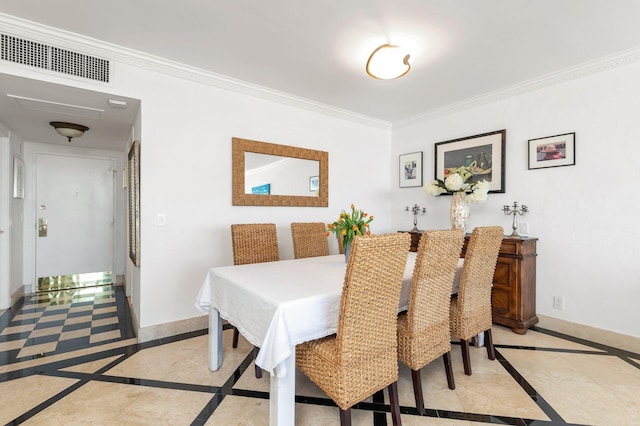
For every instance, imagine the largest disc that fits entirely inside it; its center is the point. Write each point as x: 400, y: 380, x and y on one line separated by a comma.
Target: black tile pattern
x: 30, y: 318
x: 218, y: 394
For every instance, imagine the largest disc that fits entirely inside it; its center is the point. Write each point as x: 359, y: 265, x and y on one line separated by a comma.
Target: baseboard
x: 172, y: 328
x: 18, y: 294
x: 606, y: 337
x: 134, y: 318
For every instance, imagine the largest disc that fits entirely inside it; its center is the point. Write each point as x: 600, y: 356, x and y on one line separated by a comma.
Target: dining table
x: 276, y: 306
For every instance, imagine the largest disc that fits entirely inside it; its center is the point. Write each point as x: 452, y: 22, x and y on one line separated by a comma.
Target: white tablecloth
x: 277, y: 305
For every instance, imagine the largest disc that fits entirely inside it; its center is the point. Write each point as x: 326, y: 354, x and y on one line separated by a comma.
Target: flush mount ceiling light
x: 388, y: 62
x: 69, y: 130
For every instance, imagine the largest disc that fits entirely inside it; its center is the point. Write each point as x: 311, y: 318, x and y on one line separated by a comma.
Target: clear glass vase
x: 460, y: 211
x: 347, y: 250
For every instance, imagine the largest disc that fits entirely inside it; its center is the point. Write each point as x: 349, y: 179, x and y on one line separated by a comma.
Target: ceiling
x: 460, y: 49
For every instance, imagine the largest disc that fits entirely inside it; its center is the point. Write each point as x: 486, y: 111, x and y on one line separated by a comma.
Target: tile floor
x: 541, y: 378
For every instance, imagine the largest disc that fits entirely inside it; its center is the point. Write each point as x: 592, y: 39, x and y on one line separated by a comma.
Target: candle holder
x: 515, y: 211
x: 416, y: 210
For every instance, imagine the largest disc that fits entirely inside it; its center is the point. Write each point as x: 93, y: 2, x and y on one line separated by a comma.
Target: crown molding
x: 48, y: 35
x: 585, y: 69
x: 22, y: 28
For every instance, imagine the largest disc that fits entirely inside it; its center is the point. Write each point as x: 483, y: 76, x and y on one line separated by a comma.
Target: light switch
x: 161, y: 219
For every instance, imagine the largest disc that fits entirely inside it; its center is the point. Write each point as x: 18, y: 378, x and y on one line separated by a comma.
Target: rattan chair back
x: 370, y: 298
x: 472, y: 311
x: 254, y: 243
x: 361, y: 358
x: 309, y: 239
x: 424, y: 334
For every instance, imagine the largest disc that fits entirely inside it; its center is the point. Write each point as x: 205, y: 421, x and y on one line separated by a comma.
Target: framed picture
x: 314, y: 183
x: 18, y: 178
x: 133, y: 202
x: 552, y: 151
x: 483, y: 156
x: 411, y: 170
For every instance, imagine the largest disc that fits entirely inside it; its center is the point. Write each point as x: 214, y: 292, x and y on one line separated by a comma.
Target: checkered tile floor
x: 63, y: 321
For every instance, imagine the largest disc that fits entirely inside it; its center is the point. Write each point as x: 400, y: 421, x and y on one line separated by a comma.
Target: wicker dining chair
x: 253, y: 243
x: 471, y: 307
x: 423, y: 330
x: 361, y: 358
x: 309, y: 239
x: 340, y: 245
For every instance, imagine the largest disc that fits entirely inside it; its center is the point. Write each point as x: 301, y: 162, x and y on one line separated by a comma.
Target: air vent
x: 43, y: 56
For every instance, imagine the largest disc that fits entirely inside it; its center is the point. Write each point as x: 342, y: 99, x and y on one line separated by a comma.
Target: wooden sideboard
x: 513, y: 297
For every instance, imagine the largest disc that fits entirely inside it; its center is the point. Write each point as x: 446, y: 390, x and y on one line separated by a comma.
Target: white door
x: 74, y: 215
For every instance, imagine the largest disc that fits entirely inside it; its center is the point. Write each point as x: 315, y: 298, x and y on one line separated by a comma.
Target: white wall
x: 585, y: 216
x: 17, y: 224
x: 185, y: 156
x: 11, y: 221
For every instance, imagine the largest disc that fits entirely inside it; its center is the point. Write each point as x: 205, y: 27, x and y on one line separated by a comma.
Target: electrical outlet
x: 558, y: 303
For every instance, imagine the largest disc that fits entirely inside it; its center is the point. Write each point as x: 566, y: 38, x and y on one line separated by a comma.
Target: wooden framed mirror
x: 268, y: 174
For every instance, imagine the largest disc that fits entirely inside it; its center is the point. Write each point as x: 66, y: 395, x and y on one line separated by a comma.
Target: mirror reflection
x: 276, y: 175
x: 268, y: 174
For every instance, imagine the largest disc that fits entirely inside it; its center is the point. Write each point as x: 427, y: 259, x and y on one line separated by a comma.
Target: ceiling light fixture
x: 69, y: 130
x: 388, y: 62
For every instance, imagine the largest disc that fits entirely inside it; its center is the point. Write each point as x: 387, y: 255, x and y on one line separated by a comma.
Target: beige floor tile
x: 582, y: 388
x: 30, y: 315
x: 80, y: 308
x: 591, y: 403
x: 93, y: 366
x: 101, y: 337
x: 37, y: 349
x: 105, y: 310
x: 185, y: 361
x: 18, y: 329
x: 58, y: 307
x: 504, y: 336
x: 11, y: 344
x: 77, y: 320
x: 435, y: 389
x: 112, y: 345
x: 241, y: 411
x: 103, y: 403
x: 48, y: 331
x: 21, y: 395
x: 99, y: 302
x: 104, y: 321
x: 66, y: 335
x: 51, y: 318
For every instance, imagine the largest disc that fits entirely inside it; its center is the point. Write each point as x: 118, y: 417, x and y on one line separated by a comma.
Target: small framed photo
x: 411, y: 170
x: 314, y: 183
x: 482, y: 157
x: 552, y: 151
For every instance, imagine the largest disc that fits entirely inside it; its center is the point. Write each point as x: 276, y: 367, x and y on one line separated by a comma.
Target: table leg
x: 282, y: 398
x: 215, y: 340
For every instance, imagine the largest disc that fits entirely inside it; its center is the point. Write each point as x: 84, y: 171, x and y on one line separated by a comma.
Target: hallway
x: 64, y: 359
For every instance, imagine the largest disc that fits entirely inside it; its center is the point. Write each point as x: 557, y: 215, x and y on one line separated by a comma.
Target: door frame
x: 31, y: 151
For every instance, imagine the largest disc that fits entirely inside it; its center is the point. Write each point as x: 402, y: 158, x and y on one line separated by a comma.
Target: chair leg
x: 417, y: 391
x: 394, y: 402
x: 236, y: 334
x: 447, y: 368
x: 258, y: 369
x: 464, y: 345
x: 488, y: 342
x: 345, y: 417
